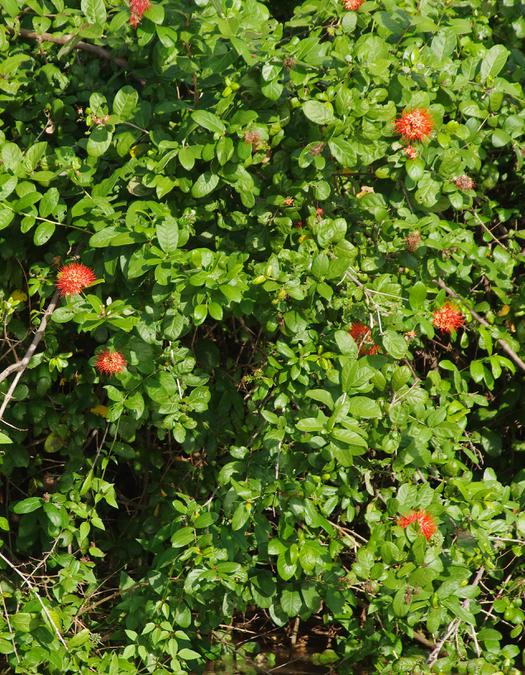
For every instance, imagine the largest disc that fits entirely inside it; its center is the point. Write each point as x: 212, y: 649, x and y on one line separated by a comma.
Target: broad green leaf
x: 291, y: 602
x: 43, y: 233
x: 94, y: 11
x: 183, y: 537
x: 99, y: 141
x: 320, y: 113
x: 168, y: 234
x: 362, y: 406
x: 125, y: 102
x: 208, y: 120
x: 205, y: 183
x: 28, y: 505
x: 343, y: 151
x: 493, y: 62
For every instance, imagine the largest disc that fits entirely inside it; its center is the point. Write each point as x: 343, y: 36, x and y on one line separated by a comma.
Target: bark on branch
x: 23, y: 363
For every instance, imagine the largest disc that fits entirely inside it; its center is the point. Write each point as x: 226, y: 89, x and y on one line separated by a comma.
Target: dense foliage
x: 294, y: 387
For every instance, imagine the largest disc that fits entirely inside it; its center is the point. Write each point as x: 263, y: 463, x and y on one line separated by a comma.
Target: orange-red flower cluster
x: 415, y: 125
x: 425, y: 521
x: 110, y: 362
x: 448, y: 318
x: 352, y: 4
x: 137, y: 8
x: 363, y: 338
x: 73, y: 278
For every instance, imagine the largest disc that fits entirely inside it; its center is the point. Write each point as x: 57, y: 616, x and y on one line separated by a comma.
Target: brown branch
x: 84, y: 46
x: 32, y: 588
x: 503, y: 343
x: 22, y: 365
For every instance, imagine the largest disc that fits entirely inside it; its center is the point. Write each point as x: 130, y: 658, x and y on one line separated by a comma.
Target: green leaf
x: 168, y: 234
x: 343, y: 151
x: 395, y: 344
x: 94, y: 11
x: 240, y: 517
x: 208, y: 121
x: 98, y: 142
x: 224, y: 150
x: 4, y: 439
x: 320, y: 113
x: 493, y: 61
x: 28, y: 505
x: 349, y: 437
x: 205, y: 183
x: 291, y: 602
x: 125, y: 102
x: 183, y: 537
x: 6, y: 218
x: 362, y: 406
x: 43, y: 233
x: 188, y: 654
x: 415, y: 169
x: 11, y: 156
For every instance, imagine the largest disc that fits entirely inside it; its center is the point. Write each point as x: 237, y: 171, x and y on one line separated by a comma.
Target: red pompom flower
x: 448, y: 318
x: 363, y: 338
x: 425, y: 521
x: 137, y: 8
x: 415, y: 125
x: 352, y: 4
x: 73, y: 278
x: 110, y: 363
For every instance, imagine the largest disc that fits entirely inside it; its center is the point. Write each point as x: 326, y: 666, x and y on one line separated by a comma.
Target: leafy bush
x: 294, y: 388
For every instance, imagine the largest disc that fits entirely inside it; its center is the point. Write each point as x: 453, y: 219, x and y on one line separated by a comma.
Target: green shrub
x: 315, y: 297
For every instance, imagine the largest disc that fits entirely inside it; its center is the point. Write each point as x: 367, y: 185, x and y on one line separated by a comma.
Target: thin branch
x: 503, y: 343
x: 453, y: 625
x: 22, y: 365
x: 37, y: 596
x: 84, y: 46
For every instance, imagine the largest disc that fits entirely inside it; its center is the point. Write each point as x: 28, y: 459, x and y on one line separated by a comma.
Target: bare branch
x: 22, y: 365
x: 37, y: 596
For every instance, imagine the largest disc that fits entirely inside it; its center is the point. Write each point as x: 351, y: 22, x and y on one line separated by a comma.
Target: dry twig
x: 22, y: 365
x: 37, y: 596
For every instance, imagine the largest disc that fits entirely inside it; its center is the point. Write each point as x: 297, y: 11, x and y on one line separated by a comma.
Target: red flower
x: 426, y: 523
x: 363, y: 338
x: 352, y: 4
x: 448, y: 318
x: 73, y: 278
x: 137, y: 8
x: 288, y: 201
x: 110, y: 362
x: 415, y: 125
x: 319, y: 212
x: 299, y: 224
x: 410, y: 152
